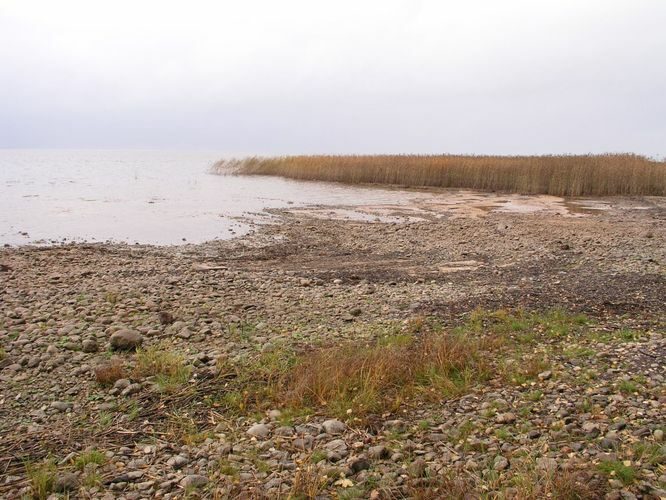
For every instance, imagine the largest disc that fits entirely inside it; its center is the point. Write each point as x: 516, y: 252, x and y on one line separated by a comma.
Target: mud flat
x: 139, y: 371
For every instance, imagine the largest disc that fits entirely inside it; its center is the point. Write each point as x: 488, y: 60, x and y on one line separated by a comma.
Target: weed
x: 650, y: 453
x: 627, y: 386
x: 89, y: 457
x: 617, y: 469
x: 108, y: 373
x: 168, y: 368
x: 365, y: 379
x: 227, y: 468
x: 308, y: 483
x: 42, y: 478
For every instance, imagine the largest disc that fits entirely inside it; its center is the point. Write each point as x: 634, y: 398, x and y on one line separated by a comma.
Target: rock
x: 334, y: 427
x: 260, y: 431
x: 62, y: 405
x: 500, y: 463
x: 66, y: 482
x: 609, y: 443
x: 358, y: 465
x: 131, y: 389
x: 658, y: 435
x: 121, y: 384
x: 545, y: 375
x: 336, y: 450
x: 126, y: 340
x: 274, y: 414
x: 166, y: 318
x: 185, y: 333
x: 89, y: 346
x: 379, y: 452
x: 591, y: 429
x: 505, y: 418
x: 417, y: 468
x: 194, y: 481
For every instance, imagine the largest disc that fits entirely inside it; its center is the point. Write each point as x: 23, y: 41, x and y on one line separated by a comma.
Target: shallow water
x: 167, y: 197
x: 157, y: 197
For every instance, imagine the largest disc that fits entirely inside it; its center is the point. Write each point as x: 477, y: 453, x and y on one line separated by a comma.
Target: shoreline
x: 308, y: 284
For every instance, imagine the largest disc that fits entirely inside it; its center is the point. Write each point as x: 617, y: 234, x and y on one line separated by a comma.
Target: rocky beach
x: 133, y: 371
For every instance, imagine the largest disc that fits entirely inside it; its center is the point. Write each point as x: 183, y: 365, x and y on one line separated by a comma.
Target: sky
x: 362, y: 76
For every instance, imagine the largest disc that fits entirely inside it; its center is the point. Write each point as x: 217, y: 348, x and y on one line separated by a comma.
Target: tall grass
x: 564, y: 175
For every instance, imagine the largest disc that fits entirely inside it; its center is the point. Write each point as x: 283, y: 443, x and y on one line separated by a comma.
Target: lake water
x: 161, y: 197
x: 166, y: 197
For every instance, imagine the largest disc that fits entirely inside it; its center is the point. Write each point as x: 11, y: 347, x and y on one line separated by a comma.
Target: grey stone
x: 259, y: 431
x: 500, y: 463
x: 126, y: 340
x: 66, y: 482
x: 89, y: 346
x: 334, y: 426
x: 194, y: 481
x: 62, y: 405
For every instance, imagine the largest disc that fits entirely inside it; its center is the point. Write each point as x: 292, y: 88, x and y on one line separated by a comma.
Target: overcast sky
x: 274, y: 77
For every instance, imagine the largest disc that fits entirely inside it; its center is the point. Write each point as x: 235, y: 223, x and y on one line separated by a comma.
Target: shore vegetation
x: 558, y: 175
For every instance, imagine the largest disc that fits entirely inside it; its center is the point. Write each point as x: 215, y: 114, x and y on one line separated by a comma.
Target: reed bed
x: 564, y: 175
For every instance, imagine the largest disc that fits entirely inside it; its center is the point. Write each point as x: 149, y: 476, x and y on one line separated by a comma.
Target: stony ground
x: 574, y: 406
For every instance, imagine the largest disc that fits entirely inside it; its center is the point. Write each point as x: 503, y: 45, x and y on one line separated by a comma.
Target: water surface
x: 156, y: 197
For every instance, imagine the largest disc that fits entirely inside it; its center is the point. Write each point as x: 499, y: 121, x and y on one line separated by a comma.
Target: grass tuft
x: 168, y: 368
x: 107, y: 373
x: 89, y: 457
x: 618, y: 470
x: 359, y: 380
x: 42, y: 478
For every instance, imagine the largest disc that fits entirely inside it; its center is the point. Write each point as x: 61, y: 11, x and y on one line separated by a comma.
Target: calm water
x: 142, y: 196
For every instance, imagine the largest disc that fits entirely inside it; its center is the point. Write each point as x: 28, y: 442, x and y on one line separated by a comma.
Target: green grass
x: 621, y: 335
x: 617, y: 470
x: 227, y: 468
x: 3, y: 354
x: 650, y: 453
x: 166, y: 367
x: 89, y: 457
x: 42, y: 478
x: 627, y: 387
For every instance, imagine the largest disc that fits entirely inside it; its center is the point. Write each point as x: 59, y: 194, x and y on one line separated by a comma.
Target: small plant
x: 42, y: 478
x: 89, y: 457
x: 651, y: 453
x: 227, y: 468
x: 168, y: 368
x: 627, y: 387
x: 317, y: 456
x: 535, y: 396
x: 3, y: 354
x: 108, y: 373
x: 618, y: 470
x: 308, y: 483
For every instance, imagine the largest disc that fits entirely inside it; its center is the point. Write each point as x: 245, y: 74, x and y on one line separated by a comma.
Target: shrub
x: 107, y: 373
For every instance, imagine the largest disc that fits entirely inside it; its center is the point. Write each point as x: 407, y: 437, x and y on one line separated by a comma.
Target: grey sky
x: 272, y: 77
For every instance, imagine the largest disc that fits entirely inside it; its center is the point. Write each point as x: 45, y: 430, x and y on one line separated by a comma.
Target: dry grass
x: 107, y: 373
x: 359, y: 380
x: 564, y: 175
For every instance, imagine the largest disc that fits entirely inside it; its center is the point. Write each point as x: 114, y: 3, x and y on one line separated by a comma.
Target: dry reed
x: 564, y: 175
